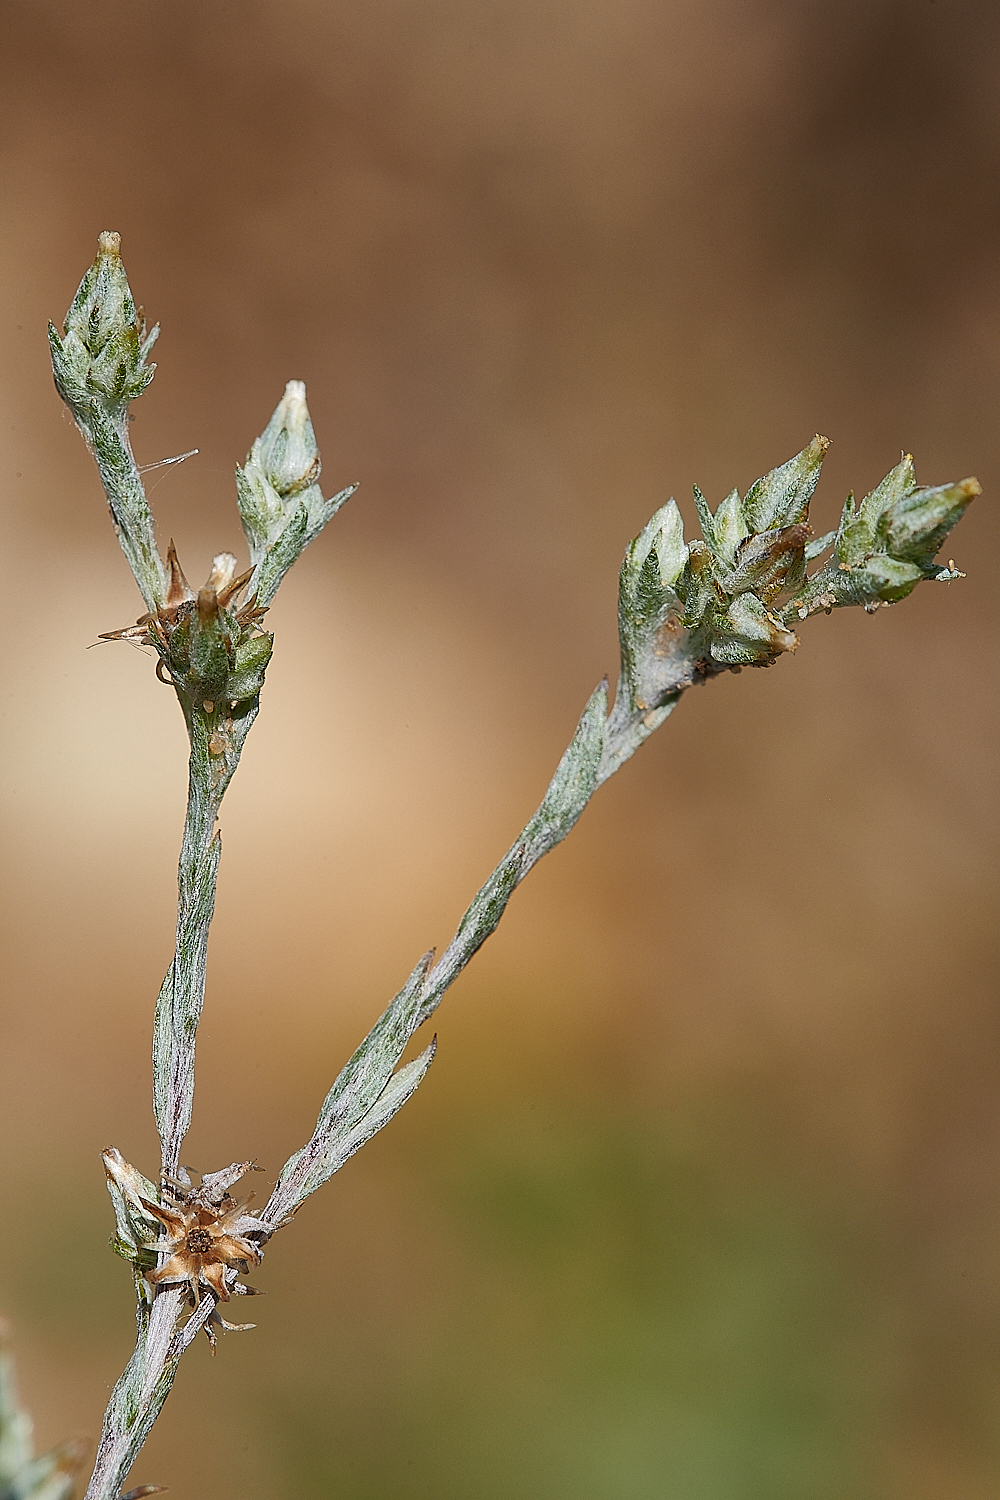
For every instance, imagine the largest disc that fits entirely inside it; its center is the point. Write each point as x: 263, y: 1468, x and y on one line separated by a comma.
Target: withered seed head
x: 203, y: 1242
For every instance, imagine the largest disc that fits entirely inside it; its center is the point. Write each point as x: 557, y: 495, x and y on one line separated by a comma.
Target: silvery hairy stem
x: 214, y: 653
x: 182, y: 994
x: 687, y: 612
x: 142, y: 1388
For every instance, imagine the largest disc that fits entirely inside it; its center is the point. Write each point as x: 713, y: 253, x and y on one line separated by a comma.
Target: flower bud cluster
x: 206, y: 651
x: 213, y: 652
x: 885, y: 546
x: 688, y: 611
x: 281, y: 504
x: 101, y: 355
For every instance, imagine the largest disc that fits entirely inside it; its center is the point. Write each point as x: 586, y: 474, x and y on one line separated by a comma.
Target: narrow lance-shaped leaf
x: 368, y: 1091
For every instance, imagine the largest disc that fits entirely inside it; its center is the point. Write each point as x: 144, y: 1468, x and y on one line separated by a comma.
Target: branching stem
x: 686, y: 610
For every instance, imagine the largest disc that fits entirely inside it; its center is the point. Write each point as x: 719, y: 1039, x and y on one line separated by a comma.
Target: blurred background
x: 700, y: 1198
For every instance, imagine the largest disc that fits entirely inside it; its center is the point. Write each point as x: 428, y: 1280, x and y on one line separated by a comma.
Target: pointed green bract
x: 768, y: 564
x: 705, y: 518
x: 782, y: 497
x: 648, y: 602
x: 730, y: 527
x: 136, y: 1231
x: 899, y: 482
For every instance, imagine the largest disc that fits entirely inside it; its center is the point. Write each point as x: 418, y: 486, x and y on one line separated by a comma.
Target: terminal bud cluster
x: 689, y: 610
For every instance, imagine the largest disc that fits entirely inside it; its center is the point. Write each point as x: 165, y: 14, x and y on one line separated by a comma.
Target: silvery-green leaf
x: 749, y: 634
x: 671, y: 551
x: 356, y: 1090
x: 16, y: 1447
x: 768, y: 562
x: 573, y: 784
x: 705, y: 518
x: 698, y: 587
x: 892, y: 578
x: 819, y: 545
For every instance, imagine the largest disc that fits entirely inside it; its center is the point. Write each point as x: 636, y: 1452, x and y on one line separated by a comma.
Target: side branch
x: 369, y: 1091
x: 686, y: 612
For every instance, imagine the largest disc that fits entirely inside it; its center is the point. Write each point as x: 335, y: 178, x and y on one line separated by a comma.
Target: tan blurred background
x: 699, y: 1201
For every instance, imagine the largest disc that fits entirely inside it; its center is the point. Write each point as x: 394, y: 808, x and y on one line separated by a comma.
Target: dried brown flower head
x: 206, y: 1235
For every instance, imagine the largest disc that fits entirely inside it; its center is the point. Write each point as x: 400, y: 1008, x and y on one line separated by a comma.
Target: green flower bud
x: 730, y: 527
x: 770, y: 563
x: 211, y: 649
x: 748, y: 635
x: 286, y: 450
x: 699, y: 587
x: 281, y: 504
x: 650, y: 611
x: 250, y: 661
x: 917, y: 523
x: 104, y: 344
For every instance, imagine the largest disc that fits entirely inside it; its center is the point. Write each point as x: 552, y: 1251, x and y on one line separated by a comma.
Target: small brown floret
x: 202, y: 1243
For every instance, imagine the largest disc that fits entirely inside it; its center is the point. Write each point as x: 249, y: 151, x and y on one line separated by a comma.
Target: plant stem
x: 143, y: 1387
x: 146, y: 1381
x: 686, y: 611
x: 623, y: 732
x: 216, y: 745
x: 369, y: 1090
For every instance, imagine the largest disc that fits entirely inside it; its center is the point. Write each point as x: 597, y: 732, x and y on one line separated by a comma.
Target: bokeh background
x: 700, y: 1198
